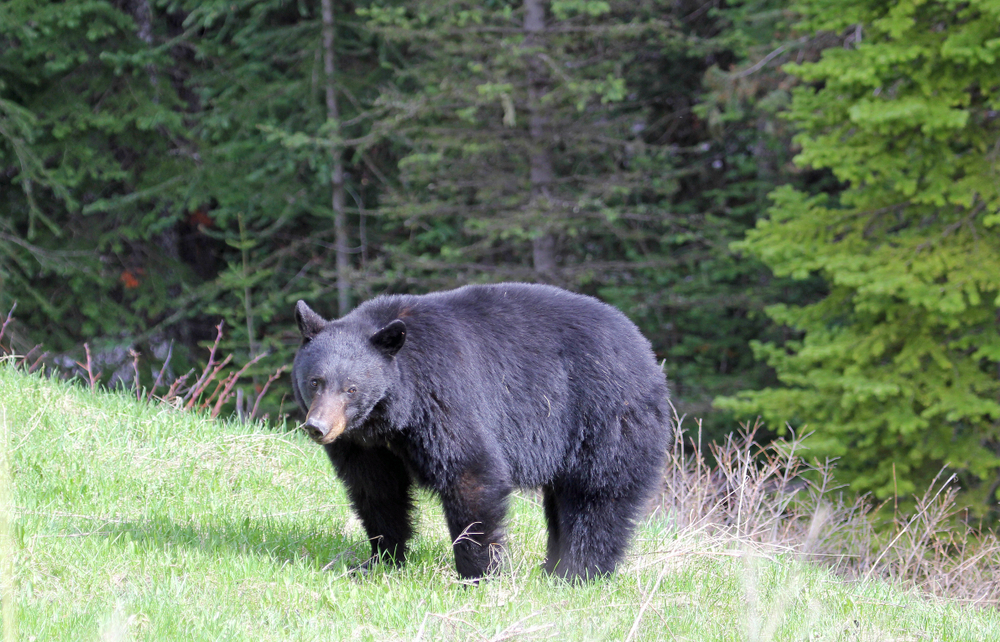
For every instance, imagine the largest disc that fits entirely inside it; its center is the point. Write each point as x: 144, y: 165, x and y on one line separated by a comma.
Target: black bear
x: 475, y: 391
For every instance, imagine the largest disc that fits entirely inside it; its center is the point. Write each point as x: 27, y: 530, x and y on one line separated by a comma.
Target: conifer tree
x: 898, y: 368
x: 563, y: 142
x: 523, y: 156
x: 168, y: 165
x: 81, y: 119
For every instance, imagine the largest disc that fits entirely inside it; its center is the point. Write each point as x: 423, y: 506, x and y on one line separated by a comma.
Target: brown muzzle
x: 326, y: 419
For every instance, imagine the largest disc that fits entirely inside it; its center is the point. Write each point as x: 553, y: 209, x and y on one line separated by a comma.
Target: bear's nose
x: 314, y: 429
x: 326, y: 419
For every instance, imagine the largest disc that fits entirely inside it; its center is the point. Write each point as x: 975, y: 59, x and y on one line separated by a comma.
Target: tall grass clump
x: 775, y: 497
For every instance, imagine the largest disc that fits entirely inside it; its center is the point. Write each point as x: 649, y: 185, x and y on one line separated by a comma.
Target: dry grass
x: 773, y: 496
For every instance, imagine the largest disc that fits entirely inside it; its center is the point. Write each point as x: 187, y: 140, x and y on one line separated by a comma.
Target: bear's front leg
x: 475, y: 507
x: 378, y: 486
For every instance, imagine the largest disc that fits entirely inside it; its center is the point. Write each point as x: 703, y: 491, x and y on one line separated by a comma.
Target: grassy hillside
x: 132, y: 521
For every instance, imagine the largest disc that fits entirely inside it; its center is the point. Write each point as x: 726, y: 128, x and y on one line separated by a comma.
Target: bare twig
x: 231, y: 381
x: 38, y: 361
x: 27, y: 355
x: 195, y: 393
x: 10, y: 315
x: 645, y: 604
x: 177, y: 385
x: 91, y: 376
x: 135, y: 372
x: 771, y: 56
x: 922, y: 510
x: 198, y: 386
x: 159, y: 375
x: 263, y: 391
x: 219, y: 385
x: 770, y: 495
x: 176, y: 394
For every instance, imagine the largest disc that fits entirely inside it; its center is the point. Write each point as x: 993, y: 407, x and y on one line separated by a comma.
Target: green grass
x: 133, y: 521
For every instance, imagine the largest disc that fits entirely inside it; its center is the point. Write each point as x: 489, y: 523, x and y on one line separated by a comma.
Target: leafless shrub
x: 937, y: 549
x: 772, y: 495
x: 10, y: 317
x: 92, y: 377
x: 177, y: 394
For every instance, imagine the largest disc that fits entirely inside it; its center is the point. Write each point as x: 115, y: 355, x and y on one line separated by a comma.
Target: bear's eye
x: 352, y: 390
x: 314, y: 383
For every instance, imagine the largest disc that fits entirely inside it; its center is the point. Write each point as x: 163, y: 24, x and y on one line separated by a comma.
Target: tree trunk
x: 143, y: 16
x: 337, y: 174
x: 541, y: 174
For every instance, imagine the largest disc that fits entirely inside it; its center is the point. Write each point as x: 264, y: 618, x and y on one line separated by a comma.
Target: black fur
x: 476, y: 391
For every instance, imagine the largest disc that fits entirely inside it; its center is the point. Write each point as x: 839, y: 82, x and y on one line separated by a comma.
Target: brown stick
x: 90, y: 373
x: 194, y: 393
x: 159, y: 375
x: 204, y: 374
x: 175, y: 386
x: 135, y: 372
x: 218, y: 387
x: 270, y: 380
x: 232, y: 382
x: 34, y: 366
x: 24, y: 359
x: 3, y: 328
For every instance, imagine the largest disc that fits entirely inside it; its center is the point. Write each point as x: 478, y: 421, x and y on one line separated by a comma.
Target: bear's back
x: 542, y: 371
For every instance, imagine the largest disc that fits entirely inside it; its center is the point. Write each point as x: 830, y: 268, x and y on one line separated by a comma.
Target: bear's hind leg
x: 593, y: 533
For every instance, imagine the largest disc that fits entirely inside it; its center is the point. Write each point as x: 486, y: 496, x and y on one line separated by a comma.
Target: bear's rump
x: 593, y: 439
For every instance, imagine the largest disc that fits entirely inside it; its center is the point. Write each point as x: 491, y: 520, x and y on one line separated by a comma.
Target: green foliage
x: 475, y: 104
x: 716, y: 295
x: 897, y: 371
x: 643, y: 198
x: 167, y: 164
x: 167, y: 169
x: 78, y: 107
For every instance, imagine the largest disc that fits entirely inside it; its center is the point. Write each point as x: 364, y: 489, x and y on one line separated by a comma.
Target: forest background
x: 797, y: 202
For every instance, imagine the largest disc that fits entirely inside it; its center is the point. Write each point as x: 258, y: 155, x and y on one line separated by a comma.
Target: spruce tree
x: 522, y: 153
x: 898, y: 368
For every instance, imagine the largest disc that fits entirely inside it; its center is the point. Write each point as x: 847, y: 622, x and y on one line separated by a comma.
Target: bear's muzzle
x: 326, y: 418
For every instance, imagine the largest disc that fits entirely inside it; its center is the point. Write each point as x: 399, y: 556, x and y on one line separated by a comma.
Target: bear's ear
x: 310, y: 323
x: 391, y: 338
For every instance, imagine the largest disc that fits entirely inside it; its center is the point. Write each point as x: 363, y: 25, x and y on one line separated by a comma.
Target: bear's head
x: 342, y: 370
